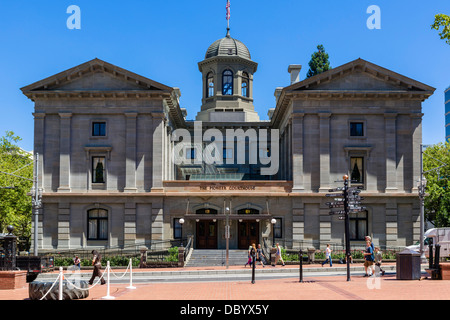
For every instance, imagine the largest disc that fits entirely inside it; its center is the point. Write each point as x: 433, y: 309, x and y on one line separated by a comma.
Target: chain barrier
x: 107, y: 271
x: 59, y: 275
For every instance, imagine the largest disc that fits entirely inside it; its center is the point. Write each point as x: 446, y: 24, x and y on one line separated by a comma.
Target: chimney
x: 294, y: 70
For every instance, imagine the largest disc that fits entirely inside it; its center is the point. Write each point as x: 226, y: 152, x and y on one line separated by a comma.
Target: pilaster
x: 64, y: 152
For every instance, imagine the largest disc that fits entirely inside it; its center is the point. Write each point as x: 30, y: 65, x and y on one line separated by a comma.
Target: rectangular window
x: 99, y: 129
x: 277, y: 228
x: 357, y: 170
x: 97, y: 224
x: 358, y: 224
x: 98, y: 170
x: 177, y: 229
x: 356, y: 129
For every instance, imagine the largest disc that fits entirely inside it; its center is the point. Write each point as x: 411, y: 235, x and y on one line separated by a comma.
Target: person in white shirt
x: 328, y: 256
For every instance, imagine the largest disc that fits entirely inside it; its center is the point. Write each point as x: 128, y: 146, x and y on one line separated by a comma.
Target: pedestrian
x: 278, y: 255
x: 249, y: 255
x: 97, y: 263
x: 368, y: 257
x: 77, y: 262
x: 368, y: 238
x: 260, y: 255
x: 378, y: 258
x: 328, y: 256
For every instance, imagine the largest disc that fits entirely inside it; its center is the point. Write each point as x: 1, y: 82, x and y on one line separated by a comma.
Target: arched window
x: 97, y: 224
x: 227, y: 83
x: 210, y: 85
x: 244, y: 85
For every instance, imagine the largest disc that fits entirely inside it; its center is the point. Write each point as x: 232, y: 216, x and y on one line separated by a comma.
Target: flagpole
x: 228, y: 15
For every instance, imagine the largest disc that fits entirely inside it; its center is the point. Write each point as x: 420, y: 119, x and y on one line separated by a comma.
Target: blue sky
x: 164, y: 41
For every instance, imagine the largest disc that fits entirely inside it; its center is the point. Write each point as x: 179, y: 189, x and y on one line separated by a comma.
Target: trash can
x: 408, y: 265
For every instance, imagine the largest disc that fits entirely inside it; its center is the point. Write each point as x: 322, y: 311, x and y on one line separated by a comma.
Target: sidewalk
x: 325, y: 287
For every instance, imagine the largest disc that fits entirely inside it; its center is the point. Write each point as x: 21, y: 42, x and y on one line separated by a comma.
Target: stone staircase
x: 216, y: 257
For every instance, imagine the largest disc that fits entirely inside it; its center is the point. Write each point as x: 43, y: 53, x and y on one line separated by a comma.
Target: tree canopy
x: 15, y: 204
x: 442, y: 21
x: 319, y: 62
x: 437, y: 200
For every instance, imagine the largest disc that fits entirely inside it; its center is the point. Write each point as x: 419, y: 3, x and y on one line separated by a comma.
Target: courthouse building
x: 108, y: 141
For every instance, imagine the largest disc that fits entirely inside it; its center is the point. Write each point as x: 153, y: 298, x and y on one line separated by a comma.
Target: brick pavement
x: 330, y: 287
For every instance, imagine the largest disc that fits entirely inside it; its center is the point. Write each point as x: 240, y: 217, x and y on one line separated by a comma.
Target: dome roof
x: 228, y: 46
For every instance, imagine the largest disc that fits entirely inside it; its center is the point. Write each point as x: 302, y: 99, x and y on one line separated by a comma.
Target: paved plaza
x: 315, y: 286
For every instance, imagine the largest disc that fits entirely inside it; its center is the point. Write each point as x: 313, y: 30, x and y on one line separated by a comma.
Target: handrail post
x: 131, y: 276
x: 108, y: 296
x: 61, y: 280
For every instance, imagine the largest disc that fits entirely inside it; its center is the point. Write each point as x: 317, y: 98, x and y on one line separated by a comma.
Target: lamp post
x: 36, y: 201
x: 227, y: 233
x: 181, y: 221
x: 273, y: 222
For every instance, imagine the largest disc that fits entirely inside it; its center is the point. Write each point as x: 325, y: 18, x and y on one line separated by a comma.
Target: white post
x: 131, y: 276
x: 108, y: 296
x: 61, y: 280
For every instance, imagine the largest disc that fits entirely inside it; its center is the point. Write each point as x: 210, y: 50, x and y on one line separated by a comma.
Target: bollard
x: 437, y: 252
x: 61, y: 281
x: 253, y: 267
x: 300, y: 254
x: 131, y: 276
x: 108, y: 296
x: 430, y: 256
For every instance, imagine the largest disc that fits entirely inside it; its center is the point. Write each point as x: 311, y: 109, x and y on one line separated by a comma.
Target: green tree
x: 437, y: 199
x: 319, y: 62
x: 15, y: 204
x: 442, y: 20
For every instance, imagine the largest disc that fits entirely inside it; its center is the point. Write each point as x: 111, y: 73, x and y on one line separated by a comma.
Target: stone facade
x: 109, y: 178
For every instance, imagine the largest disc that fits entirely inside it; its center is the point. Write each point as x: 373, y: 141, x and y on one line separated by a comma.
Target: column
x: 158, y: 152
x: 298, y: 221
x: 390, y: 144
x: 391, y: 223
x: 157, y: 222
x: 64, y: 226
x: 129, y: 228
x: 297, y: 152
x: 324, y: 132
x: 130, y: 152
x: 64, y: 152
x: 324, y: 224
x: 416, y: 141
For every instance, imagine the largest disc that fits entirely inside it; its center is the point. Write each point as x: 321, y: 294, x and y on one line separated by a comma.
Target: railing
x: 188, y: 246
x: 157, y: 250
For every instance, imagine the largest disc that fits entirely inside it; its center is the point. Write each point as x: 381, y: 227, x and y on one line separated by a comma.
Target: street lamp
x: 273, y: 221
x: 227, y: 234
x: 181, y: 221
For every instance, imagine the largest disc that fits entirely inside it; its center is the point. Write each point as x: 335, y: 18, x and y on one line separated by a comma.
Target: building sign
x: 230, y: 187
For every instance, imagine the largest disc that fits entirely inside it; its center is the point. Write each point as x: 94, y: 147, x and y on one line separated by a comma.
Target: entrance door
x: 206, y: 234
x: 248, y: 234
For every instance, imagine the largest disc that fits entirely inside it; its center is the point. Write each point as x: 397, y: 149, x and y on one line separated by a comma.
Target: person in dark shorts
x: 260, y: 255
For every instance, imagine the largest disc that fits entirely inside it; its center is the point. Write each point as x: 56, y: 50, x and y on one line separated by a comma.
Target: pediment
x: 360, y: 75
x: 95, y: 75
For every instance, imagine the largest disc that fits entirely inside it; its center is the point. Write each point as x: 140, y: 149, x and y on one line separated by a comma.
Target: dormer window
x: 227, y: 83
